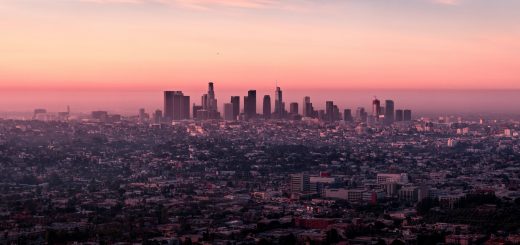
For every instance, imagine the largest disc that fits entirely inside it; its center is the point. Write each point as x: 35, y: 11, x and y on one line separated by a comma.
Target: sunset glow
x: 357, y: 44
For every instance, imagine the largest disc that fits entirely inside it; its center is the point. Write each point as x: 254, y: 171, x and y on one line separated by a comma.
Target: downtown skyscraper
x: 209, y: 103
x: 176, y: 106
x: 267, y: 107
x: 279, y: 108
x: 250, y: 104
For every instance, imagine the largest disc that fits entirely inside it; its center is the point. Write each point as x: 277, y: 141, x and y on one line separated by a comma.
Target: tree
x: 332, y: 236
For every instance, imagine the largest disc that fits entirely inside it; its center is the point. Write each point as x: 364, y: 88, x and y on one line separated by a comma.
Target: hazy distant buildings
x: 279, y: 108
x: 361, y: 115
x: 389, y: 111
x: 143, y: 116
x: 209, y: 103
x: 347, y: 115
x: 376, y: 108
x: 235, y: 100
x: 39, y: 114
x: 157, y: 117
x: 228, y: 112
x: 250, y: 104
x: 99, y: 115
x: 331, y: 112
x: 176, y: 106
x: 293, y: 108
x: 407, y: 115
x: 399, y: 115
x: 267, y: 107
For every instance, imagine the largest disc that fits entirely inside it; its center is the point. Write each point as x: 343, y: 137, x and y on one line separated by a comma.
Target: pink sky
x: 241, y: 44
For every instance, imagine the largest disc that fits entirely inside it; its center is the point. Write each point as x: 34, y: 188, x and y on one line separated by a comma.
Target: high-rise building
x: 250, y: 104
x: 209, y: 102
x: 305, y: 106
x: 347, y: 115
x: 267, y: 107
x: 157, y: 116
x: 407, y: 115
x: 376, y: 108
x: 330, y: 111
x: 361, y: 115
x: 389, y: 111
x: 228, y: 112
x: 235, y: 100
x: 185, y: 108
x: 299, y: 183
x: 399, y: 115
x: 294, y: 108
x: 195, y: 110
x: 336, y: 116
x: 176, y: 106
x: 142, y: 115
x: 279, y: 108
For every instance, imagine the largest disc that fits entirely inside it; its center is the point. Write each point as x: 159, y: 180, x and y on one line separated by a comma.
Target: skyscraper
x: 361, y: 115
x: 347, y: 115
x: 267, y: 107
x: 376, y: 108
x: 294, y: 108
x: 142, y: 115
x: 389, y: 111
x: 250, y: 104
x: 176, y: 106
x: 305, y: 106
x: 407, y: 115
x: 398, y: 115
x: 279, y: 108
x: 329, y: 111
x: 235, y: 100
x: 228, y: 112
x: 157, y: 116
x: 209, y: 102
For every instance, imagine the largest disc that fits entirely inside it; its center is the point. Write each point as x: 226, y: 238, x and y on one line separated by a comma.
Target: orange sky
x: 241, y: 44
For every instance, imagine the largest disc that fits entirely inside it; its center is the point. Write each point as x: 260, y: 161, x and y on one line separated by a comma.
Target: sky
x: 154, y: 45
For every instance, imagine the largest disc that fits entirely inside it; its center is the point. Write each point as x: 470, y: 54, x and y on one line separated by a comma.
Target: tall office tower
x: 228, y: 112
x: 329, y: 111
x: 305, y: 106
x: 267, y: 107
x: 389, y: 111
x: 361, y: 115
x: 209, y: 102
x: 398, y: 115
x: 407, y: 115
x: 204, y: 101
x: 246, y: 108
x: 235, y: 100
x: 185, y: 107
x: 376, y: 108
x: 157, y: 116
x: 299, y: 183
x: 195, y: 110
x: 279, y: 108
x: 293, y: 108
x: 336, y: 116
x: 169, y: 104
x: 250, y: 104
x: 176, y: 106
x: 142, y: 115
x: 347, y: 115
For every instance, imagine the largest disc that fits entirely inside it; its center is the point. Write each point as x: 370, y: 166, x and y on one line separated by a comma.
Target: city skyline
x: 107, y: 45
